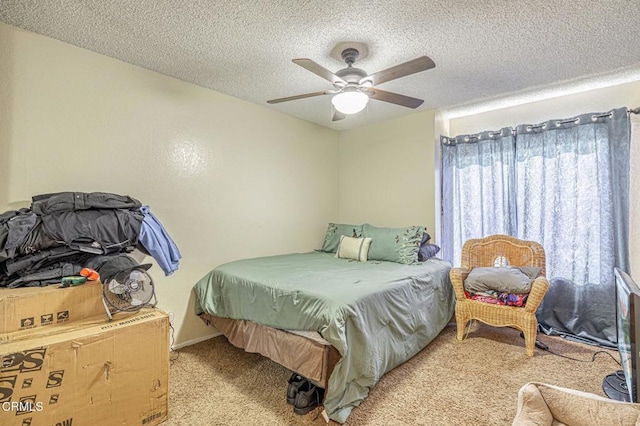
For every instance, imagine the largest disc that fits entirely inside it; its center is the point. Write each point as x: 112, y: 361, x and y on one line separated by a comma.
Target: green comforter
x: 376, y: 314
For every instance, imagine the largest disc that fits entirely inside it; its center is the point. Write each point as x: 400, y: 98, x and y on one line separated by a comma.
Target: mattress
x: 376, y: 314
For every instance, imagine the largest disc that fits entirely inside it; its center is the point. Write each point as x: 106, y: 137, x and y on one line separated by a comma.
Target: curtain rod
x: 448, y: 140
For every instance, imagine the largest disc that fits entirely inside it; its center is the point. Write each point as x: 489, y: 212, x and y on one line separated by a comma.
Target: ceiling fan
x: 353, y: 87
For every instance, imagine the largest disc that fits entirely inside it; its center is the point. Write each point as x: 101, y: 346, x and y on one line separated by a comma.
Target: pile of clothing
x: 62, y: 233
x: 497, y: 298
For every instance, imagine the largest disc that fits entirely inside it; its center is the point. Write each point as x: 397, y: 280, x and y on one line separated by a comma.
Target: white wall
x: 387, y: 173
x: 603, y: 99
x: 228, y: 179
x: 6, y: 62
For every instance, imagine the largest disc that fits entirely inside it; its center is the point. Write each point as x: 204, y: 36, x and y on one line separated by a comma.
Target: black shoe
x: 309, y: 397
x: 295, y: 381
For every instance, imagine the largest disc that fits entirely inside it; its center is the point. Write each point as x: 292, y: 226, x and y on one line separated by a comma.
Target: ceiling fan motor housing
x: 351, y: 74
x: 350, y: 55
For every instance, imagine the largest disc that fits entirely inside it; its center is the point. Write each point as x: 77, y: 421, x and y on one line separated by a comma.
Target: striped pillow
x: 353, y: 248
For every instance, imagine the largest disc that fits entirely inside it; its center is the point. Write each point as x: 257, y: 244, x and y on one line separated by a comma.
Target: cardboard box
x: 113, y: 373
x: 32, y: 307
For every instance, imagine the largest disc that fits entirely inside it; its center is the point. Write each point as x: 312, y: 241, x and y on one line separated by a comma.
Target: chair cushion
x: 506, y: 279
x: 532, y: 272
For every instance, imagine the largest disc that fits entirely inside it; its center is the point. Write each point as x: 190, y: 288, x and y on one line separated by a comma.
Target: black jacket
x: 71, y: 201
x: 63, y: 231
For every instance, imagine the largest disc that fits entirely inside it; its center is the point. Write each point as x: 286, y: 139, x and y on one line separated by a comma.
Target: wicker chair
x: 500, y: 250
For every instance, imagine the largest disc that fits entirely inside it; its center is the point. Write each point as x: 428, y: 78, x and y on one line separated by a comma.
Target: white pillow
x: 353, y: 248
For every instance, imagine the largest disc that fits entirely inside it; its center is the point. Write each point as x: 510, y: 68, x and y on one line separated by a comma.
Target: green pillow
x: 334, y: 231
x: 398, y: 245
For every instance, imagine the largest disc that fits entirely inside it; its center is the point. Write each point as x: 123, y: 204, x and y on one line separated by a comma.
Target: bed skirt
x: 304, y: 352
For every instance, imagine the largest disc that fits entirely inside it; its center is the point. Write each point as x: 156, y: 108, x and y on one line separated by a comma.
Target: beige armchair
x: 541, y: 404
x: 500, y: 250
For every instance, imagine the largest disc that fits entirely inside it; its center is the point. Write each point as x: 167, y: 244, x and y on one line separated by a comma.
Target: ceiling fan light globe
x: 350, y: 102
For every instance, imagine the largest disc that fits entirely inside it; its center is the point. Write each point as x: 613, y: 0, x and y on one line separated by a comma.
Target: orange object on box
x: 90, y: 274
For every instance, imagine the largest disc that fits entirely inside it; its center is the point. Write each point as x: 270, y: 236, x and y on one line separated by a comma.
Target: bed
x: 370, y: 316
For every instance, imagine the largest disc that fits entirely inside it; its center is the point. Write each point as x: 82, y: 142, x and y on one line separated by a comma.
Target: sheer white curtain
x: 478, y: 194
x: 569, y: 191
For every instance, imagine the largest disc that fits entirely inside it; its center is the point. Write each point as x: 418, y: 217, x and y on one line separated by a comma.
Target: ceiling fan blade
x: 337, y: 116
x: 318, y: 69
x: 422, y: 63
x: 293, y: 98
x: 394, y: 98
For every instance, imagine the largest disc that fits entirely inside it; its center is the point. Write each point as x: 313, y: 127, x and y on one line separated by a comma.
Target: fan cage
x: 114, y: 302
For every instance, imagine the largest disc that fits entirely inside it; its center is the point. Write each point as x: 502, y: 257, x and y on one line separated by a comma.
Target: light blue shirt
x: 155, y: 239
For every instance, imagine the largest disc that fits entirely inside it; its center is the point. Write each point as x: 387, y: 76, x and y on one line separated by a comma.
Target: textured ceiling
x: 483, y: 49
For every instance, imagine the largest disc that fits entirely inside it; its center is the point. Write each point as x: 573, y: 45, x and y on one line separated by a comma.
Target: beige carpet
x: 474, y: 382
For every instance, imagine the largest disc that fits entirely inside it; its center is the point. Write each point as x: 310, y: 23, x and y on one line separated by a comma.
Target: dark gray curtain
x: 565, y: 185
x: 573, y: 197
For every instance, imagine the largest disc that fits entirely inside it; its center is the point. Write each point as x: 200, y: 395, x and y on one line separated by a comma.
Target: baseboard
x: 196, y: 340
